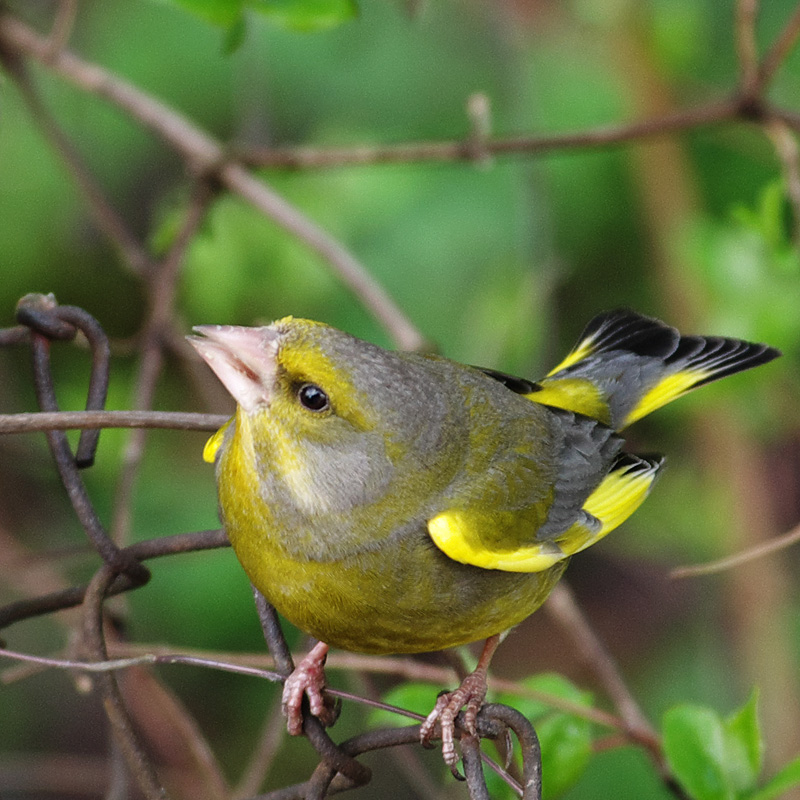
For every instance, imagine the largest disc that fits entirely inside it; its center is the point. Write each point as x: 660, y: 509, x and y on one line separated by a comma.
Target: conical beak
x: 244, y: 359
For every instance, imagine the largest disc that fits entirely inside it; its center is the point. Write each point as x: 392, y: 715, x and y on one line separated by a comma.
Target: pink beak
x: 244, y: 359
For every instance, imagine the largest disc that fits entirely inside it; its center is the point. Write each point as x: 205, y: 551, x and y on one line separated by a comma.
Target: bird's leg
x: 470, y: 696
x: 308, y: 678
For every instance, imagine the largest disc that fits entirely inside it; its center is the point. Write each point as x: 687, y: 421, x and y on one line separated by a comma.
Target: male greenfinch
x: 390, y: 502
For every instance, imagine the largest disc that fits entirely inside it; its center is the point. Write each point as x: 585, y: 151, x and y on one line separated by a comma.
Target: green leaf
x: 224, y: 13
x: 787, y: 778
x: 694, y: 744
x: 565, y: 739
x: 566, y: 742
x: 768, y: 217
x: 234, y: 36
x: 744, y: 746
x: 306, y: 15
x: 417, y: 697
x: 298, y: 15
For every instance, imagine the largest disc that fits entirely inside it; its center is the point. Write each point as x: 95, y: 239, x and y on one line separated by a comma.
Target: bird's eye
x: 312, y: 397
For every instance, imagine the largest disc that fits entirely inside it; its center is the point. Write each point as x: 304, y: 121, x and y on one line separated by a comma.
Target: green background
x: 499, y: 263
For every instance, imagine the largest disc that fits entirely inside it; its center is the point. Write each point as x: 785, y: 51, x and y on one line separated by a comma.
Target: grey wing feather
x: 586, y: 453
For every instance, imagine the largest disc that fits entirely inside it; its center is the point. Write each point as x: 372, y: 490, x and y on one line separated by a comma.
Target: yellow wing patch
x: 622, y: 491
x: 573, y: 394
x: 665, y: 391
x: 457, y: 533
x: 213, y: 444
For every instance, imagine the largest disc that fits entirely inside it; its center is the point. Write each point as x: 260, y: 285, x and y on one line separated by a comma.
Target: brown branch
x: 791, y: 118
x: 779, y: 50
x: 79, y: 420
x: 785, y: 143
x: 712, y: 113
x: 741, y: 558
x: 62, y: 24
x: 273, y: 732
x: 126, y: 736
x: 161, y: 288
x: 563, y: 609
x: 746, y: 46
x: 374, y: 297
x: 108, y: 221
x: 125, y: 654
x: 206, y: 156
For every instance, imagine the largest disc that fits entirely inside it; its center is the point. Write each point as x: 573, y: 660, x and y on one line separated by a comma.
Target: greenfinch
x: 391, y: 502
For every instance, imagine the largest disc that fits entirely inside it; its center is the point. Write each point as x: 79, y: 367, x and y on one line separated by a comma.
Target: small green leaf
x: 306, y: 15
x: 417, y: 697
x: 565, y: 739
x: 234, y: 36
x: 547, y: 684
x: 694, y: 744
x: 744, y: 746
x: 223, y: 13
x: 566, y: 742
x: 785, y: 779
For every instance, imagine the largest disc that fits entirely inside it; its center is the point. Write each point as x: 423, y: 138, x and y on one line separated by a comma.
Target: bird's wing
x: 497, y: 538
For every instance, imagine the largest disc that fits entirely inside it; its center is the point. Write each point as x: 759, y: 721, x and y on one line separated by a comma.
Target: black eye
x: 312, y: 397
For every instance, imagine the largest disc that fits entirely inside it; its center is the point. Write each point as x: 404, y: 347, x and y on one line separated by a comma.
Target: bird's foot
x: 469, y: 696
x: 308, y: 680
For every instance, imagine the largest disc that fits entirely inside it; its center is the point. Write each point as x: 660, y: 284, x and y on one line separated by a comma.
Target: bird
x: 396, y: 502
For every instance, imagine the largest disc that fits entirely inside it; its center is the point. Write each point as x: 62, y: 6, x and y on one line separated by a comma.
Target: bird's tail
x: 627, y: 365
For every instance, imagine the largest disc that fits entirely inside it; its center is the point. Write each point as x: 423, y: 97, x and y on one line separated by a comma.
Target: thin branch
x: 123, y: 655
x: 712, y: 113
x: 739, y: 559
x: 161, y: 285
x: 779, y: 50
x: 63, y: 24
x: 273, y: 732
x: 563, y: 608
x: 785, y: 143
x: 374, y: 297
x: 126, y: 736
x: 746, y: 46
x: 791, y: 118
x: 78, y: 420
x: 108, y: 221
x: 207, y: 157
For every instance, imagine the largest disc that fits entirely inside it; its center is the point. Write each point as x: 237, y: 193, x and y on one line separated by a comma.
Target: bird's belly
x: 406, y: 597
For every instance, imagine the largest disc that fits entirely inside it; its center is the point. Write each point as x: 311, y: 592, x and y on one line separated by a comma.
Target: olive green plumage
x: 392, y: 502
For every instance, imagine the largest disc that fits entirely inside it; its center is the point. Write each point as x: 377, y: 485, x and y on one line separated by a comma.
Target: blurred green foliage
x: 500, y: 264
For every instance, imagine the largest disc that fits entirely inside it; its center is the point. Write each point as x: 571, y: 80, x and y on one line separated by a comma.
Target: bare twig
x: 62, y: 454
x: 151, y: 548
x: 746, y: 46
x: 712, y: 113
x: 273, y: 732
x: 779, y: 50
x: 562, y: 607
x: 785, y: 144
x: 739, y: 559
x: 162, y: 284
x: 133, y: 750
x: 63, y: 24
x: 74, y: 420
x: 108, y: 221
x: 365, y: 287
x: 207, y: 157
